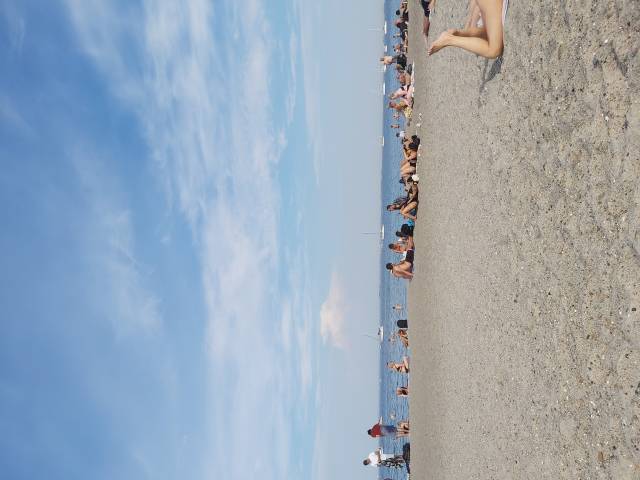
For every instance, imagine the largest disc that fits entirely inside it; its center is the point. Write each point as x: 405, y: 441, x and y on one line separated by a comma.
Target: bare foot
x: 440, y: 43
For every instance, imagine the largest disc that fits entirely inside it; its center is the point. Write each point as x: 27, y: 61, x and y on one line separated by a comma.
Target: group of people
x: 407, y: 206
x: 378, y: 458
x: 402, y: 99
x: 483, y: 35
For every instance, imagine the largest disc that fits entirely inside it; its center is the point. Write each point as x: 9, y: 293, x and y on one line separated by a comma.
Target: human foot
x: 440, y: 43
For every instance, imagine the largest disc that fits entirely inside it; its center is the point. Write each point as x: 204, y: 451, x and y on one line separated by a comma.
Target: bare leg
x: 425, y: 26
x: 472, y: 6
x: 479, y: 32
x: 474, y: 16
x: 409, y: 207
x: 491, y: 47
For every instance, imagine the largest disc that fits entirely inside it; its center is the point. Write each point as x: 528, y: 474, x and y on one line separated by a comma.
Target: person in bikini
x: 399, y: 367
x: 486, y: 41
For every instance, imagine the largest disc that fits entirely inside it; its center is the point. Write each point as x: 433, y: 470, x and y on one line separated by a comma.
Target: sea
x: 393, y: 291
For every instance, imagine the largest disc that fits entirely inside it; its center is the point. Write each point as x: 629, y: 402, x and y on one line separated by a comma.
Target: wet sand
x: 525, y: 307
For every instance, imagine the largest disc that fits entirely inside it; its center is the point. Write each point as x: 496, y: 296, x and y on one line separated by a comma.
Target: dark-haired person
x: 403, y: 269
x: 402, y: 391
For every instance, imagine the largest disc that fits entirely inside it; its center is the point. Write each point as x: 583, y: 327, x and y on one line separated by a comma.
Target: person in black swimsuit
x: 427, y: 6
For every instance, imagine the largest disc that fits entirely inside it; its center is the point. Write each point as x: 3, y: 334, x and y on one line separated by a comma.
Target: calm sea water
x: 392, y: 290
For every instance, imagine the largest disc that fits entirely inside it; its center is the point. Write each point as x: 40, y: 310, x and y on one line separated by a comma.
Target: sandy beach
x: 525, y: 306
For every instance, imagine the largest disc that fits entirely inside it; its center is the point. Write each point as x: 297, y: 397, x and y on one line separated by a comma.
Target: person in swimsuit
x: 427, y: 7
x: 402, y: 92
x: 486, y: 41
x: 404, y: 336
x: 401, y: 247
x: 403, y: 269
x: 399, y: 106
x: 400, y: 367
x: 402, y: 391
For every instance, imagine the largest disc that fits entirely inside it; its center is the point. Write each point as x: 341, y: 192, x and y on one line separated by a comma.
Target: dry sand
x: 525, y: 307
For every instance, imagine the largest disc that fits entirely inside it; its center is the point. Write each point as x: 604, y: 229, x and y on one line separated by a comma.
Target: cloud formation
x: 205, y: 106
x: 332, y: 315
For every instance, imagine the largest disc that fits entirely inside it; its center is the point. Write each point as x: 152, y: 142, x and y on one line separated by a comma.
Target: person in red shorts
x: 380, y: 430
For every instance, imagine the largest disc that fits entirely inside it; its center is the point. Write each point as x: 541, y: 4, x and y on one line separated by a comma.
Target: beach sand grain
x: 525, y: 306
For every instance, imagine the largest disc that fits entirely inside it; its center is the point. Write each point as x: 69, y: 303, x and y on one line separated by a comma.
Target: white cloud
x: 332, y: 315
x: 206, y: 110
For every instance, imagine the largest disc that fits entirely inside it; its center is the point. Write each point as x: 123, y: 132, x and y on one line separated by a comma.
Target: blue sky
x: 184, y: 279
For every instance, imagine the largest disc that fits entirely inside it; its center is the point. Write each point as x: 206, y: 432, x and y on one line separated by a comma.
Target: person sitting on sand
x: 410, y: 208
x: 486, y: 41
x: 402, y: 245
x: 400, y: 59
x: 403, y: 106
x: 407, y: 209
x: 406, y: 242
x: 404, y: 337
x: 400, y: 367
x: 404, y: 78
x: 405, y: 92
x: 402, y: 391
x: 403, y: 12
x: 403, y: 269
x: 405, y: 231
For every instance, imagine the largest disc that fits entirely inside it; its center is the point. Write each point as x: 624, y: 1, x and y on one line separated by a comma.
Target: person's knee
x: 494, y: 51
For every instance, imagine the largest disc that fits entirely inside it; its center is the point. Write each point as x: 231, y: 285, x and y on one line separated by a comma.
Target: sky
x: 185, y: 284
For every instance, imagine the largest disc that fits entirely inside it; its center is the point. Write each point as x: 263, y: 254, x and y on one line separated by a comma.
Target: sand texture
x: 525, y: 308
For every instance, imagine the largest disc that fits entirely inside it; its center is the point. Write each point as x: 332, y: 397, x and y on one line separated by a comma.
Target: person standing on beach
x: 427, y: 8
x: 485, y: 41
x: 379, y: 430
